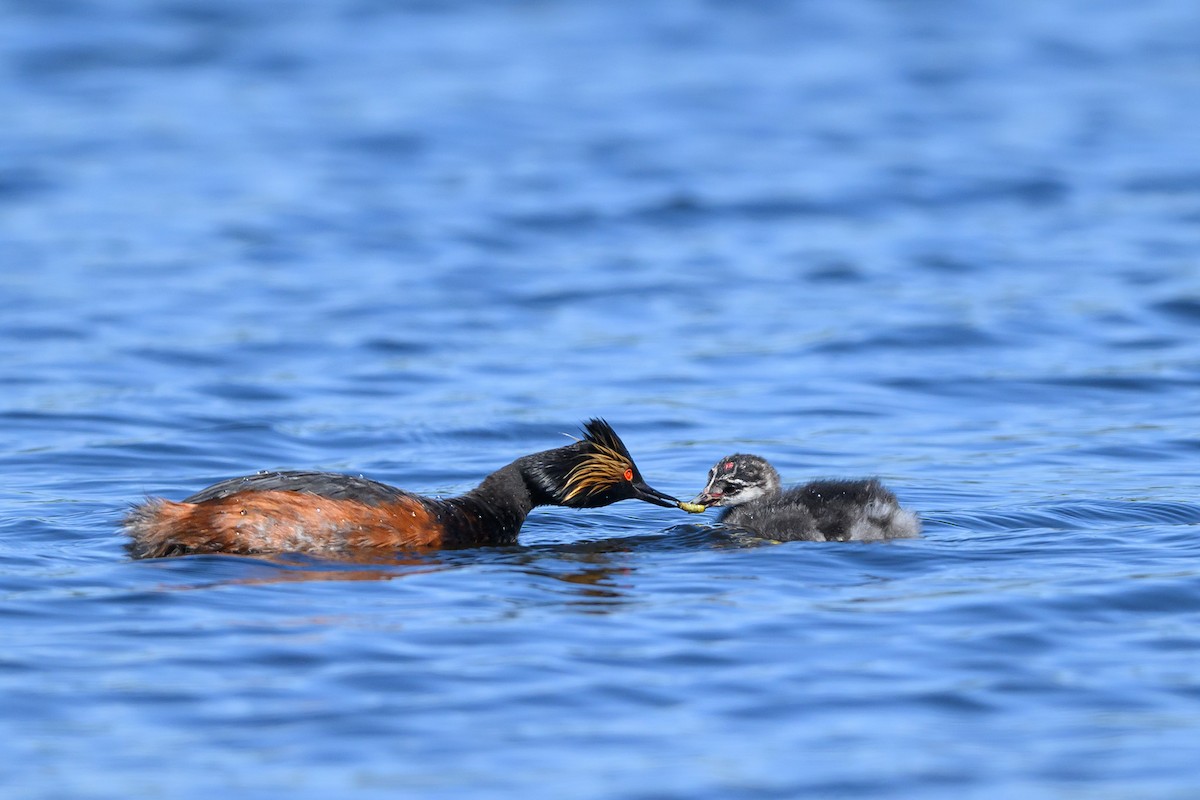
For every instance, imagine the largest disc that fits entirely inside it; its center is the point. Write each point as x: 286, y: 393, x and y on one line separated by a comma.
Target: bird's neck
x: 492, y: 513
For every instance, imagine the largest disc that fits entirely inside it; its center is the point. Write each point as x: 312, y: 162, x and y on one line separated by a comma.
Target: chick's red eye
x: 628, y: 474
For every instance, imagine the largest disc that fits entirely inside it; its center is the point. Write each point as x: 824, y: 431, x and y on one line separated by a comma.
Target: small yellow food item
x: 692, y: 508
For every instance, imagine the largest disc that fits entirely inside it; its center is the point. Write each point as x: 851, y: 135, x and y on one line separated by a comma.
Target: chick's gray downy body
x: 749, y: 490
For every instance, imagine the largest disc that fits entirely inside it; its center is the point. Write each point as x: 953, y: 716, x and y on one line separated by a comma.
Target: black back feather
x: 333, y: 485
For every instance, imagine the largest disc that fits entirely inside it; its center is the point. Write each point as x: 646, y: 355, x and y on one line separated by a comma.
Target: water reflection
x: 590, y: 576
x: 289, y: 568
x: 592, y: 582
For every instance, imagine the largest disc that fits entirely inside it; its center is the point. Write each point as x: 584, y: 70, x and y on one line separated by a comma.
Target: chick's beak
x: 642, y: 491
x: 706, y: 499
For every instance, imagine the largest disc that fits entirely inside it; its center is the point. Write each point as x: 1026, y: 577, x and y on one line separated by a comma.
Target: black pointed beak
x: 642, y: 491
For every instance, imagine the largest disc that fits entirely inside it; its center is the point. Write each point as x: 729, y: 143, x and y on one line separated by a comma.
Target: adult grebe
x: 827, y: 510
x: 330, y: 514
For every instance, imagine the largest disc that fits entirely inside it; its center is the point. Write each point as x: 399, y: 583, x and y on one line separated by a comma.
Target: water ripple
x: 418, y: 240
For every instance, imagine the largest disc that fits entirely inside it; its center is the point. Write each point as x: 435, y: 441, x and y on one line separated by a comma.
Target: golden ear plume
x: 602, y: 466
x: 595, y: 472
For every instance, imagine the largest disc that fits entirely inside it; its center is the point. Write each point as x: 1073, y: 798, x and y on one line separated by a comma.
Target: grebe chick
x: 748, y: 488
x: 329, y: 514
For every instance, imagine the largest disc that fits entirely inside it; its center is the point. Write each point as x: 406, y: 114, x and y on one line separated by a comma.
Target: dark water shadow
x: 594, y: 576
x: 590, y: 569
x: 214, y: 570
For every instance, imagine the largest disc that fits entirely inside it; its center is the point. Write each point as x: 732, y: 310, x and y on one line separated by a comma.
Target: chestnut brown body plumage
x: 330, y: 514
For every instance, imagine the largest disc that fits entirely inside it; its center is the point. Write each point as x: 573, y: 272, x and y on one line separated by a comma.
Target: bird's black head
x: 595, y: 471
x: 738, y: 479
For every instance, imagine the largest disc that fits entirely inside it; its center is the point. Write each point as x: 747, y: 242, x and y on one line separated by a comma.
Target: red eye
x: 628, y: 474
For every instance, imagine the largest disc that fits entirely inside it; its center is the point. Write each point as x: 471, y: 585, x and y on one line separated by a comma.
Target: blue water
x: 955, y: 245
